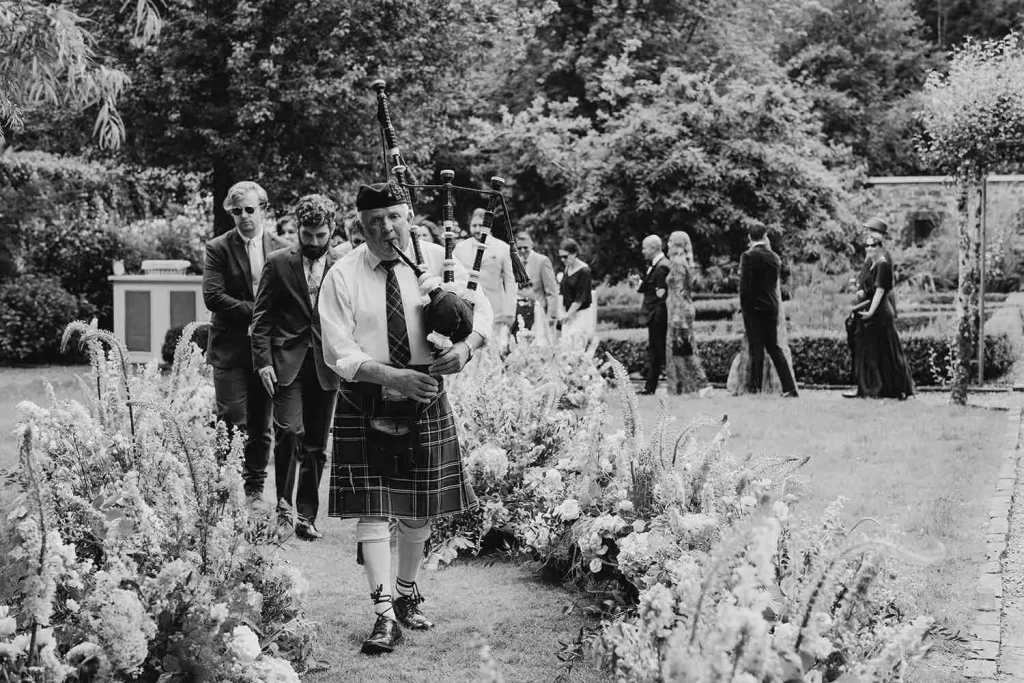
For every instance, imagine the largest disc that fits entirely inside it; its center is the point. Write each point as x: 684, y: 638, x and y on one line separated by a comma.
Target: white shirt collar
x: 657, y: 257
x: 257, y: 236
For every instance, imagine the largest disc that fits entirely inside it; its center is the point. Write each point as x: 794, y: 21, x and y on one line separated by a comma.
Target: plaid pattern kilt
x: 433, y: 488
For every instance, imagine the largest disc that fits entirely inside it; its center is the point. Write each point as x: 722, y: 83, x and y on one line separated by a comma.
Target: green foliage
x: 714, y: 155
x: 861, y: 64
x: 818, y: 358
x: 47, y: 58
x: 33, y: 312
x: 973, y: 116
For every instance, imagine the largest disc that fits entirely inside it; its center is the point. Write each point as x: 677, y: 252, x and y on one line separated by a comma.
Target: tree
x: 862, y: 63
x: 950, y: 22
x: 973, y: 120
x: 711, y: 155
x: 47, y: 60
x: 278, y: 90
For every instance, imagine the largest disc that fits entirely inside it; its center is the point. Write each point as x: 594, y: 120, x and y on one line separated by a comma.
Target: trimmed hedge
x: 818, y: 358
x: 628, y: 317
x: 34, y: 310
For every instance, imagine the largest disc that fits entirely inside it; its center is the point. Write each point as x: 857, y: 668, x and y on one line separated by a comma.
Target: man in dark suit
x: 653, y: 312
x: 231, y: 273
x: 759, y: 302
x: 287, y: 352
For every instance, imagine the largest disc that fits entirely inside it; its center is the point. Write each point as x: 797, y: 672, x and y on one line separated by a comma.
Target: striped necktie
x: 398, y: 333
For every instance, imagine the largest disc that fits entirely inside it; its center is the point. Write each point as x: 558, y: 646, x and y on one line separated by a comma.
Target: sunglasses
x: 871, y: 244
x: 237, y: 211
x: 563, y: 256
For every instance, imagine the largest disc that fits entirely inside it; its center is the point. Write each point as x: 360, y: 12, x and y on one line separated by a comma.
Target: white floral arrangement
x: 132, y: 551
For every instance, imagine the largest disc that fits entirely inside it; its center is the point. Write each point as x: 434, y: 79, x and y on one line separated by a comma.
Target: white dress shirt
x: 254, y: 249
x: 353, y: 309
x: 496, y: 277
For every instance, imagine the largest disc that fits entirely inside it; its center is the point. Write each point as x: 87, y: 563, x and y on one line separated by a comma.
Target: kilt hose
x: 434, y: 486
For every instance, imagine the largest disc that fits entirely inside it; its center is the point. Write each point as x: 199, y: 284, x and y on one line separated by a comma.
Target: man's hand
x: 269, y: 379
x: 660, y: 293
x: 414, y: 385
x: 451, y: 361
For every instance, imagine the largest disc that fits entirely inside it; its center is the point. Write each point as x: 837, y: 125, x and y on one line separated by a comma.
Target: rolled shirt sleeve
x: 337, y: 323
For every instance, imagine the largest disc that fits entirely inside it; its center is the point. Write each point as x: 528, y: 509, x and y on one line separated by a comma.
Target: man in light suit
x: 287, y: 351
x: 231, y: 274
x: 542, y: 295
x: 496, y: 278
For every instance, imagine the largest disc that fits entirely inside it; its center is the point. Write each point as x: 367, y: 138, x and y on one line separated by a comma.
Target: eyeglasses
x: 563, y: 256
x: 237, y: 210
x: 871, y: 243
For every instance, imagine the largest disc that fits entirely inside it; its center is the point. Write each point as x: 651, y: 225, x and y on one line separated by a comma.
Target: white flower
x: 8, y: 625
x: 569, y: 510
x: 625, y: 506
x: 72, y: 605
x: 639, y: 525
x: 244, y: 644
x: 596, y: 564
x: 553, y: 477
x: 274, y: 670
x: 219, y: 612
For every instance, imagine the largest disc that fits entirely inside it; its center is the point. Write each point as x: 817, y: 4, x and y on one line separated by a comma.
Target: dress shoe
x: 385, y: 636
x: 407, y: 609
x: 307, y: 531
x: 645, y: 392
x: 791, y: 394
x: 851, y: 394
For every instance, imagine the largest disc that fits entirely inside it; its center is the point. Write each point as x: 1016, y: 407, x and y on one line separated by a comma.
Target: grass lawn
x: 27, y: 384
x: 927, y: 468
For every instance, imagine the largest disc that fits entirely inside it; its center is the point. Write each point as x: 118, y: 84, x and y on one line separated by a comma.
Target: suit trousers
x: 762, y: 329
x: 657, y: 331
x: 303, y: 415
x: 243, y: 403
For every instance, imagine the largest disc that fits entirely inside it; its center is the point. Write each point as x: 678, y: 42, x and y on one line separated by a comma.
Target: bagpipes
x: 449, y: 312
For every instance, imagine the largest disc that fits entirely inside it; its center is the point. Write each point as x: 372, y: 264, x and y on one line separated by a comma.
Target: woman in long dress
x: 576, y: 320
x: 684, y: 371
x: 879, y: 364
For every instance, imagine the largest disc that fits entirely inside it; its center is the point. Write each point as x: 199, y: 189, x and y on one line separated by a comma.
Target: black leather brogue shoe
x: 407, y: 609
x: 386, y: 635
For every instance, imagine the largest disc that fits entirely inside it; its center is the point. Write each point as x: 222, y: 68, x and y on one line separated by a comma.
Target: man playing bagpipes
x: 396, y: 451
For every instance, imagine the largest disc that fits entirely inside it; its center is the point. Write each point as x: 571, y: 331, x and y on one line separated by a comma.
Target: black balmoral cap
x: 378, y: 196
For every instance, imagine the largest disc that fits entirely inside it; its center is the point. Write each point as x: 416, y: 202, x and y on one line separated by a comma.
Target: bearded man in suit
x: 287, y: 352
x: 231, y: 275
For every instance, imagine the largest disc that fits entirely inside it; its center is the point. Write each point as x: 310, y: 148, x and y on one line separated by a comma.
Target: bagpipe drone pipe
x: 449, y: 311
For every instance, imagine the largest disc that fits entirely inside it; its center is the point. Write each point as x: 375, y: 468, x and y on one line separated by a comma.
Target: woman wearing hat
x: 879, y: 365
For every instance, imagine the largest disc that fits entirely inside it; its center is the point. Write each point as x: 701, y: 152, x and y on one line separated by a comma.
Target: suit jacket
x: 496, y: 278
x: 544, y: 286
x: 759, y: 279
x: 285, y: 324
x: 228, y: 295
x: 653, y: 309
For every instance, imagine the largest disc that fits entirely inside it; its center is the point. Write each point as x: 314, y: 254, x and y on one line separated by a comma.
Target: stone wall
x: 920, y: 209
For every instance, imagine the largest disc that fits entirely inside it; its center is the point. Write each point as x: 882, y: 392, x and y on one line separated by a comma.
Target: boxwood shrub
x: 818, y: 358
x: 200, y: 337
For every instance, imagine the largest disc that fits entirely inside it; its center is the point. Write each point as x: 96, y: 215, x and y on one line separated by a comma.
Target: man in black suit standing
x: 287, y: 352
x: 653, y: 312
x: 231, y: 275
x: 759, y: 302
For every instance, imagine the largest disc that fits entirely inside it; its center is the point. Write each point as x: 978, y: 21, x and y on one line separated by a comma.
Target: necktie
x: 313, y: 281
x: 254, y: 248
x: 398, y: 333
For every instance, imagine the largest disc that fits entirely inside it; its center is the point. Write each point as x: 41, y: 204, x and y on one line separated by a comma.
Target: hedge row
x: 817, y: 358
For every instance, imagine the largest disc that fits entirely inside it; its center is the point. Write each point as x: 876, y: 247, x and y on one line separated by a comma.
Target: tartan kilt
x: 434, y: 487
